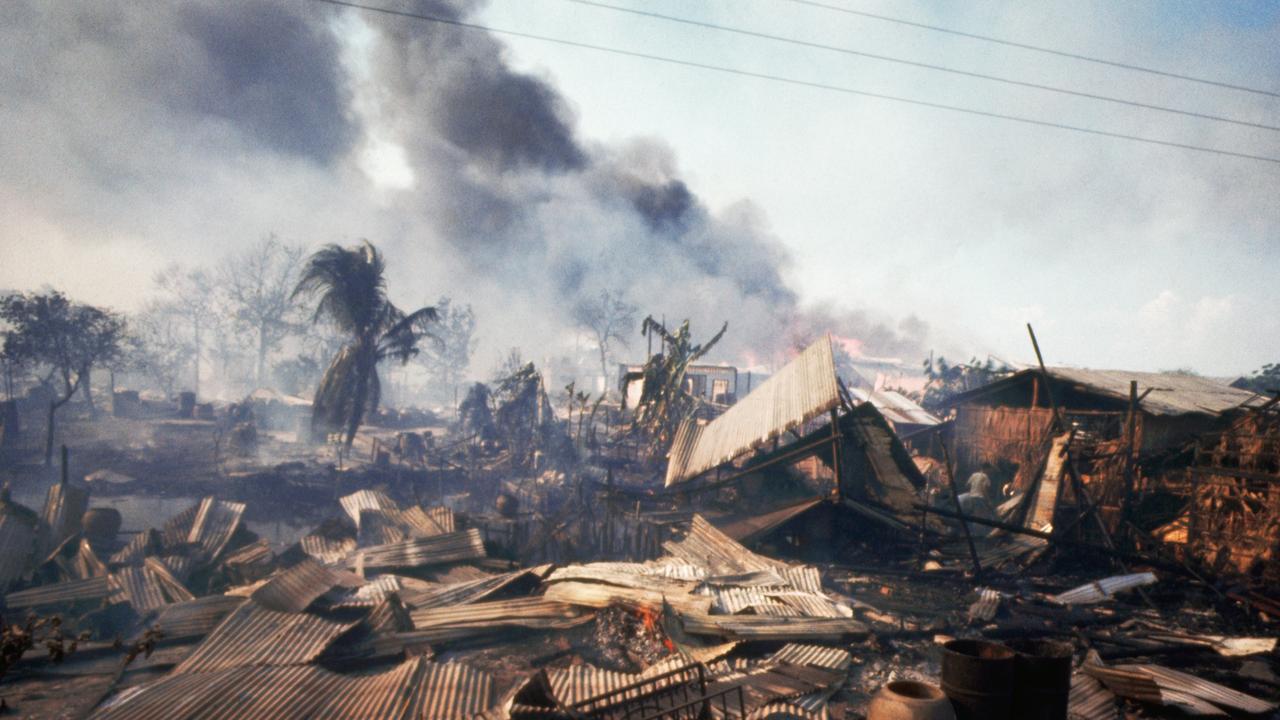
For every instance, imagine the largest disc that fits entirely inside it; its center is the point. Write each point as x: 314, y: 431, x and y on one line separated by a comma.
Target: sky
x: 523, y: 176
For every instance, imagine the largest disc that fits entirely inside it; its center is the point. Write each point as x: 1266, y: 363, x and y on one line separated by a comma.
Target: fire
x: 649, y: 620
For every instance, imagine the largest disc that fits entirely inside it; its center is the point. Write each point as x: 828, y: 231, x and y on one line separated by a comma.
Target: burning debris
x: 801, y: 551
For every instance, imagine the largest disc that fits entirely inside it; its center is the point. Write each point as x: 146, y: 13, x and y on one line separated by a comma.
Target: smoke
x: 169, y: 132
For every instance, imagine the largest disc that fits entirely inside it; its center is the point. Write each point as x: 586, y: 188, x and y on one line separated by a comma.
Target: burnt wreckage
x: 1062, y: 543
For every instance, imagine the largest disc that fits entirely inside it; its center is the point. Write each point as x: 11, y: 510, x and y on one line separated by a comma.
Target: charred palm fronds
x: 664, y: 401
x: 352, y: 295
x: 526, y: 421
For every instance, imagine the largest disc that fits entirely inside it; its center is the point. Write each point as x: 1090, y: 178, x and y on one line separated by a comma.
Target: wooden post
x: 1126, y: 506
x: 955, y: 499
x: 835, y: 450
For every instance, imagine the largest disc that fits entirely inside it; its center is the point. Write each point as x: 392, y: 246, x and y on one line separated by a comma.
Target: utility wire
x: 1036, y: 48
x: 792, y: 81
x: 927, y: 66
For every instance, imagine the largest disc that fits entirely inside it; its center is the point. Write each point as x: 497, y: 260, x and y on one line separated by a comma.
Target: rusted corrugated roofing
x: 1171, y: 393
x: 327, y: 550
x: 254, y: 635
x: 292, y: 590
x: 581, y: 686
x: 251, y: 554
x: 763, y: 628
x: 1091, y: 700
x: 706, y: 546
x: 214, y: 523
x: 195, y: 618
x: 379, y: 527
x: 366, y: 500
x: 147, y: 588
x: 63, y: 507
x: 412, y: 690
x: 136, y: 549
x: 448, y: 623
x: 437, y: 520
x: 473, y: 590
x: 57, y: 593
x: 419, y: 552
x: 1170, y: 680
x: 369, y: 594
x: 896, y: 407
x: 798, y: 393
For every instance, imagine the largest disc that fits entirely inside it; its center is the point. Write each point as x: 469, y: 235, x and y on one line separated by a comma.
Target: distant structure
x: 713, y: 383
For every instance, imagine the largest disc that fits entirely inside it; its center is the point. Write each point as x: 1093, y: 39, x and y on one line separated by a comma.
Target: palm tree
x: 352, y: 294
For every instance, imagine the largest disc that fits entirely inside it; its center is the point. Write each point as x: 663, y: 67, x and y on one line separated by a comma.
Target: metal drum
x: 1042, y: 679
x: 978, y: 677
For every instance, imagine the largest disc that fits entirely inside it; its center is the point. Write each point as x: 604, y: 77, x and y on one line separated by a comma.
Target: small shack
x: 1008, y: 420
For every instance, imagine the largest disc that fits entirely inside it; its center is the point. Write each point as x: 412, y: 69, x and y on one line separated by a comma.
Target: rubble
x: 788, y: 559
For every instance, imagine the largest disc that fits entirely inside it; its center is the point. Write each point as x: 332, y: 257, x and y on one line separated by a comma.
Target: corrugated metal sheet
x: 181, y: 566
x: 601, y: 595
x: 1171, y: 680
x: 1171, y: 393
x: 819, y: 656
x: 437, y: 550
x: 579, y: 686
x: 412, y: 690
x: 367, y: 595
x: 803, y: 577
x: 437, y: 520
x: 17, y: 542
x: 985, y: 607
x: 63, y: 507
x: 214, y: 523
x: 734, y: 600
x: 761, y: 628
x: 365, y: 500
x: 379, y: 527
x: 799, y: 392
x: 327, y: 550
x: 473, y: 590
x: 254, y: 635
x: 1100, y: 590
x: 195, y: 618
x: 896, y: 407
x: 502, y: 616
x: 176, y: 530
x: 252, y: 554
x: 1091, y: 700
x: 706, y: 546
x: 64, y: 592
x: 139, y: 588
x: 136, y: 549
x: 292, y: 590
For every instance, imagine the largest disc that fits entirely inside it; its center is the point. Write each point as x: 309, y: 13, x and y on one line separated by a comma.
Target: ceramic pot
x: 910, y: 700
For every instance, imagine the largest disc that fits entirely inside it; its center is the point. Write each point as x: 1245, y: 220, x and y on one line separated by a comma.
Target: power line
x: 927, y: 66
x: 1036, y: 48
x: 792, y: 81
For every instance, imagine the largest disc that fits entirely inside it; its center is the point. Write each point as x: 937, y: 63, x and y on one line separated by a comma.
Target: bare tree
x: 189, y: 294
x: 608, y: 316
x: 258, y: 287
x: 157, y: 347
x: 448, y: 359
